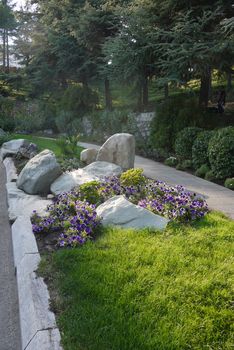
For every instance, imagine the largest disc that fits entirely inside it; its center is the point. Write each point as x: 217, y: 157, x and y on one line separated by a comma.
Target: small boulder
x: 94, y: 172
x: 28, y: 151
x: 119, y: 149
x: 39, y: 173
x: 119, y: 211
x: 89, y: 155
x: 11, y: 148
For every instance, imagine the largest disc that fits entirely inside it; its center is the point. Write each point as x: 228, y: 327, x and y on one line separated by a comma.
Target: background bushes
x: 200, y: 149
x: 184, y: 142
x: 221, y: 153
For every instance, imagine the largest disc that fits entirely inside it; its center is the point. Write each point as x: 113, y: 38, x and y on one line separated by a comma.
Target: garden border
x: 37, y: 322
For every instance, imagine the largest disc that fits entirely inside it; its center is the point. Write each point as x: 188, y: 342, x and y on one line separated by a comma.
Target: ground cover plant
x: 144, y: 290
x: 72, y: 215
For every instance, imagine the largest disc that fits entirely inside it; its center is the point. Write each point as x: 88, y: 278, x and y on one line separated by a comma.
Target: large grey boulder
x: 119, y: 211
x: 11, y: 148
x: 94, y: 172
x: 119, y: 149
x: 88, y: 156
x: 39, y: 173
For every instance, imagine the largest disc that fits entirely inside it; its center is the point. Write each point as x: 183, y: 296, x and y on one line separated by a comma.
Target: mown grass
x: 45, y: 143
x: 146, y: 290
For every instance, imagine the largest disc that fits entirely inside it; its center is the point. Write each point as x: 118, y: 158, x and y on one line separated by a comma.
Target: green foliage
x: 69, y: 164
x: 184, y: 165
x: 133, y: 177
x: 221, y: 153
x: 173, y: 115
x: 107, y: 123
x: 171, y: 161
x: 68, y: 145
x: 229, y: 183
x: 90, y: 192
x: 200, y: 149
x: 78, y: 100
x: 168, y: 284
x: 184, y: 142
x: 210, y: 176
x: 4, y: 138
x: 29, y: 117
x: 202, y: 171
x: 7, y: 122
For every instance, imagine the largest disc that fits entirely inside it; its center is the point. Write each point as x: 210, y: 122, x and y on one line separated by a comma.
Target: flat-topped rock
x: 94, y: 172
x: 102, y: 169
x: 39, y: 173
x: 22, y: 204
x: 118, y: 211
x: 119, y: 149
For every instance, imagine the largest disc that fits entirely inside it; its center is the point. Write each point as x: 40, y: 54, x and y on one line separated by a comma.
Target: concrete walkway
x: 217, y: 197
x: 9, y: 311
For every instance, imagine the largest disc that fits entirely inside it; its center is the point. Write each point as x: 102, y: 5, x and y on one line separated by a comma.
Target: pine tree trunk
x: 139, y: 97
x: 7, y: 52
x: 145, y: 92
x: 166, y: 91
x: 108, y: 98
x: 205, y: 87
x: 4, y: 50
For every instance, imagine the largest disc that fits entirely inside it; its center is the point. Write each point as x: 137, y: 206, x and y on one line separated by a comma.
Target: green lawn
x: 146, y: 290
x: 44, y: 143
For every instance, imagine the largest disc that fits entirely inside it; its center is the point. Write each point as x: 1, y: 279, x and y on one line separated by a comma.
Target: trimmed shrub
x: 132, y: 177
x: 200, y: 149
x: 210, y: 176
x: 229, y: 183
x: 171, y: 161
x: 221, y: 153
x: 201, y: 172
x: 186, y: 164
x: 171, y: 117
x: 90, y: 192
x: 184, y: 142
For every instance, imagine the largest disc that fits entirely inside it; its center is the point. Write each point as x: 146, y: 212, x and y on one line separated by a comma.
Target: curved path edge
x: 218, y: 197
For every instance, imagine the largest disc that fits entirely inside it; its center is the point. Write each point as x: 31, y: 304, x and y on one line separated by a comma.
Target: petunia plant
x: 73, y: 215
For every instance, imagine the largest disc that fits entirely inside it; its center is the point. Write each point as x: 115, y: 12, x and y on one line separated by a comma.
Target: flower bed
x: 73, y: 215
